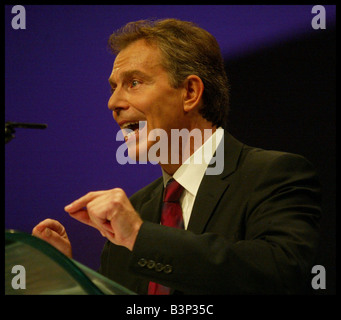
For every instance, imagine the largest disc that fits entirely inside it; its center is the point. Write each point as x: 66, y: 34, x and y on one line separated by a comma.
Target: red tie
x: 172, y: 217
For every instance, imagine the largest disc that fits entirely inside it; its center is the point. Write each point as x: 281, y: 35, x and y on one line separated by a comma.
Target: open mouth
x: 131, y: 129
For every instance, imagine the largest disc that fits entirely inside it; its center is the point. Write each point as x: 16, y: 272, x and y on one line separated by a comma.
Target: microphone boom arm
x: 9, y: 128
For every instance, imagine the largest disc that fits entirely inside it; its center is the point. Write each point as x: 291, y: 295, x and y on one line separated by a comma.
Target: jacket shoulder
x: 261, y: 159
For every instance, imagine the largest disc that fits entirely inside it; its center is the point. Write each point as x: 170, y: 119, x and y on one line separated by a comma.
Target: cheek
x: 160, y: 119
x: 162, y: 110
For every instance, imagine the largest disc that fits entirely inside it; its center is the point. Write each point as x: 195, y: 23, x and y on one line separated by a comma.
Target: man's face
x: 141, y: 91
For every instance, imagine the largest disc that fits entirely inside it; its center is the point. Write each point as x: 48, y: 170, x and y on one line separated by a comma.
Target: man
x: 250, y: 229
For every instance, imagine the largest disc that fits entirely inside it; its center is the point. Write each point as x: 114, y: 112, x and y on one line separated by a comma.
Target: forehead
x: 138, y: 55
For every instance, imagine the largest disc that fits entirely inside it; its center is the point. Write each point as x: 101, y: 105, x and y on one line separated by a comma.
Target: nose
x: 117, y: 102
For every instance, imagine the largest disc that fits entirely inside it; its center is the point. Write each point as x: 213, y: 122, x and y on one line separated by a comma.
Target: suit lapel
x: 213, y: 187
x: 210, y: 191
x: 151, y: 208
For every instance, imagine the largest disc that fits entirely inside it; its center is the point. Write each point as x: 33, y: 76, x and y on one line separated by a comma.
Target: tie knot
x: 173, y: 191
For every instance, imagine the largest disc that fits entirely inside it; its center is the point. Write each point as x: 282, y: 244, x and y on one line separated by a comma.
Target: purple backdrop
x: 56, y: 72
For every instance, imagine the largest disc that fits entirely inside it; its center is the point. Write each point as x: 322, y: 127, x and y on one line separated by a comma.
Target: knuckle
x: 90, y: 194
x: 47, y: 223
x: 118, y: 191
x: 115, y: 205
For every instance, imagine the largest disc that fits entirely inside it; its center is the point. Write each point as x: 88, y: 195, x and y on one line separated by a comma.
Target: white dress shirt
x: 190, y: 174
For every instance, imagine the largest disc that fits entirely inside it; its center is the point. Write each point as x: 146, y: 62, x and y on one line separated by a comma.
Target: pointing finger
x: 81, y: 202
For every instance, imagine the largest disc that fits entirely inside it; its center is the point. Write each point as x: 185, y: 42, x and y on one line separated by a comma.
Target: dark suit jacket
x: 254, y: 229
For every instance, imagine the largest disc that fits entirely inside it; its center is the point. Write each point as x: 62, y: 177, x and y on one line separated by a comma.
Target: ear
x: 194, y: 89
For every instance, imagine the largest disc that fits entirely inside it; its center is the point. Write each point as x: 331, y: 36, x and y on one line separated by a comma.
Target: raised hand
x: 111, y: 213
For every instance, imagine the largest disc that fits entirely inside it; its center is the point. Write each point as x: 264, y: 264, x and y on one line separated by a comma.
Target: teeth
x: 127, y: 124
x: 127, y: 132
x: 127, y: 128
x: 131, y: 134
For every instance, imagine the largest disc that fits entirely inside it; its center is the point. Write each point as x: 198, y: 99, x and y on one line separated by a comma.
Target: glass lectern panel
x: 32, y: 266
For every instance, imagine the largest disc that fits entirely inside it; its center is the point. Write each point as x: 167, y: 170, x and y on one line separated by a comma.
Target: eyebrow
x: 130, y: 74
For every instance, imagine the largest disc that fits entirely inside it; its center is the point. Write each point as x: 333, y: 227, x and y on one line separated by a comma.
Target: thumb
x: 82, y: 216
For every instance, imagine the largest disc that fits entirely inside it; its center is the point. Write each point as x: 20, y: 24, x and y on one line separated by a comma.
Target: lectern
x: 34, y: 267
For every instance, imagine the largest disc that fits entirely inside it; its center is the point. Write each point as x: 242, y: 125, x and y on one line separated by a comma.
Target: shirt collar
x: 190, y: 173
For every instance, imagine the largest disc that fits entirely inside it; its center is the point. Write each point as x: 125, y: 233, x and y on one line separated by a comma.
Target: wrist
x: 132, y: 239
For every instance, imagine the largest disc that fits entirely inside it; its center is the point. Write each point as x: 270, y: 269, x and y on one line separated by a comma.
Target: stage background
x: 282, y: 75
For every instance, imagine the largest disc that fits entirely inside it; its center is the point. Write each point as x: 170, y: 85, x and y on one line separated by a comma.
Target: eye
x: 134, y: 83
x: 112, y: 90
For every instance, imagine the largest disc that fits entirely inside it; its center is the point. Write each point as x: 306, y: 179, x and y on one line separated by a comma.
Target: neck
x: 184, y: 144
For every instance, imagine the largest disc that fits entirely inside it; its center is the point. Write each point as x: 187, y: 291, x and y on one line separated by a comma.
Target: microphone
x: 9, y: 128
